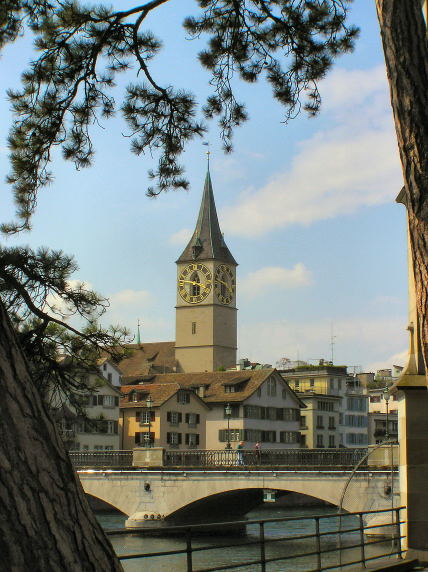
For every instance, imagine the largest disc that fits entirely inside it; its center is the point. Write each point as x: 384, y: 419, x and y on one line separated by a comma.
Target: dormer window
x: 231, y: 388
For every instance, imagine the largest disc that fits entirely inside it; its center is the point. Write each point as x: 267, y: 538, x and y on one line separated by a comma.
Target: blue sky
x: 307, y: 210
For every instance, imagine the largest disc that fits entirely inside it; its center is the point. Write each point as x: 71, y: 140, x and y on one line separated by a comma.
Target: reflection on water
x: 283, y: 533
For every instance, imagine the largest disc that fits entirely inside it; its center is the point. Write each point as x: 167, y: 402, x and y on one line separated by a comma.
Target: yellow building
x: 162, y: 415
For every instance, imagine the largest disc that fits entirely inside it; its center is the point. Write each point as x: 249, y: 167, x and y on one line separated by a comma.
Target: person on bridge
x: 258, y: 452
x: 239, y: 453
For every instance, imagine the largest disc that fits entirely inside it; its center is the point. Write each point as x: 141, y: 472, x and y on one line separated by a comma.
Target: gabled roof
x: 148, y: 358
x: 215, y: 383
x: 159, y: 392
x: 207, y: 242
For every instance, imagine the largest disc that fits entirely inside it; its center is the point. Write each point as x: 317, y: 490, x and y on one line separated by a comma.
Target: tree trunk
x: 46, y: 524
x: 404, y: 37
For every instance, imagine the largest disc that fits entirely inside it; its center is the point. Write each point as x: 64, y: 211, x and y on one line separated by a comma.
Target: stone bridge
x: 152, y: 497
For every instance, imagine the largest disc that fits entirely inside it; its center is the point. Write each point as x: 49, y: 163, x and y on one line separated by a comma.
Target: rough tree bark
x: 404, y: 37
x: 45, y: 521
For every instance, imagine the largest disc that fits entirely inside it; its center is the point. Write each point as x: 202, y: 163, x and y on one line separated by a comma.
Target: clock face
x: 194, y: 283
x: 224, y: 284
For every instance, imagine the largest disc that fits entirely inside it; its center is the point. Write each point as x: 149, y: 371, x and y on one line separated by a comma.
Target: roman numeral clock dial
x: 194, y: 283
x: 224, y: 284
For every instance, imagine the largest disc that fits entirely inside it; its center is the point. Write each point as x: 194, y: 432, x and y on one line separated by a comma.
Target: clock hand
x: 201, y: 284
x: 225, y: 284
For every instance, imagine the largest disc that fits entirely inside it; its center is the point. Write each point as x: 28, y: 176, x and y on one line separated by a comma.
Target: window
x: 374, y: 398
x: 303, y: 422
x: 195, y: 289
x: 110, y: 401
x: 192, y: 440
x: 252, y: 411
x: 331, y: 423
x: 174, y: 417
x: 147, y: 417
x: 289, y: 437
x: 291, y: 414
x: 192, y: 419
x: 356, y: 439
x: 356, y: 404
x: 259, y: 392
x: 193, y: 327
x: 325, y: 405
x: 183, y: 397
x: 229, y: 388
x: 104, y: 366
x: 109, y: 377
x: 269, y: 436
x: 320, y: 422
x: 320, y: 441
x: 312, y: 382
x: 331, y: 441
x: 284, y: 393
x: 173, y: 439
x: 271, y: 387
x: 232, y: 435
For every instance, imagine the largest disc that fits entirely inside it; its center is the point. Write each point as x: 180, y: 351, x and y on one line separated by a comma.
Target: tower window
x: 193, y: 327
x: 195, y: 289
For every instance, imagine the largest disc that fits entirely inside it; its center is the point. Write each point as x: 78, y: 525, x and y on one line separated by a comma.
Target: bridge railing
x: 268, y: 457
x: 92, y: 459
x: 333, y: 541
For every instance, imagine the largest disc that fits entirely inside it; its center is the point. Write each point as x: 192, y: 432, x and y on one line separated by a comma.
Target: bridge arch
x: 159, y: 495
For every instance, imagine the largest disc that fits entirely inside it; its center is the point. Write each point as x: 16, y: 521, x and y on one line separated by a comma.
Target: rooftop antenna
x: 138, y: 333
x: 332, y: 342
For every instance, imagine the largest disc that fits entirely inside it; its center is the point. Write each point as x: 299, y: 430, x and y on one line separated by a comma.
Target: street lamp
x: 386, y: 397
x: 228, y: 413
x: 149, y: 405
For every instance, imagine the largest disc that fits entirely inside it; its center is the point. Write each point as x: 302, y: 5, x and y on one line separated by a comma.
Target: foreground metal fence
x: 336, y: 541
x: 92, y: 459
x: 268, y: 457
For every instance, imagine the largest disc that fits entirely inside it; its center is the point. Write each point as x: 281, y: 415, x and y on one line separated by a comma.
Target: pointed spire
x: 207, y: 241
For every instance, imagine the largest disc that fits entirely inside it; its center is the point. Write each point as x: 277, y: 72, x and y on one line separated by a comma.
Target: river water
x: 131, y: 544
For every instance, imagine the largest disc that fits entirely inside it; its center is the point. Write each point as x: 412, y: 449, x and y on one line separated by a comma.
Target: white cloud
x: 352, y: 164
x: 359, y: 341
x: 180, y: 237
x: 399, y: 358
x: 274, y: 277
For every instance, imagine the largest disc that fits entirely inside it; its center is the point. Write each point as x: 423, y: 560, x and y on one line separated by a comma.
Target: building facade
x: 352, y: 405
x: 162, y: 415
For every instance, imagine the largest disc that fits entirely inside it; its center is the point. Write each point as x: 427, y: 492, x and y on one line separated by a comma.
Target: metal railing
x: 331, y: 545
x: 267, y: 458
x: 90, y: 459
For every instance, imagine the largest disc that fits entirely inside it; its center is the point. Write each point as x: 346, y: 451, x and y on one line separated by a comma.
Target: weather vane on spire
x: 208, y: 153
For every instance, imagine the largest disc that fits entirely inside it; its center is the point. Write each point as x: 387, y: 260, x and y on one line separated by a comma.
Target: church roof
x: 148, y: 358
x: 207, y: 242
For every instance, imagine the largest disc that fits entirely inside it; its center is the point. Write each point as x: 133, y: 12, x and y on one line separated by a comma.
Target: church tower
x: 206, y: 337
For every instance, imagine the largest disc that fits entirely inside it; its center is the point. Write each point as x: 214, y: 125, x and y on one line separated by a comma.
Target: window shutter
x: 137, y: 415
x: 198, y: 418
x: 137, y: 438
x: 221, y: 435
x: 168, y: 438
x: 179, y: 438
x: 180, y: 417
x: 168, y: 417
x: 152, y: 416
x: 116, y: 402
x: 187, y: 438
x: 101, y: 400
x: 197, y: 439
x: 187, y: 417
